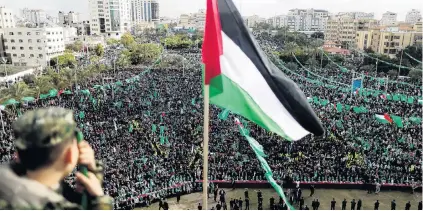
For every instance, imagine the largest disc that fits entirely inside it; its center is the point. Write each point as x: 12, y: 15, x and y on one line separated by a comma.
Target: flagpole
x: 205, y: 145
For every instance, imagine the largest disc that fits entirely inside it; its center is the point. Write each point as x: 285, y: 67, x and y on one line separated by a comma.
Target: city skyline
x: 263, y: 8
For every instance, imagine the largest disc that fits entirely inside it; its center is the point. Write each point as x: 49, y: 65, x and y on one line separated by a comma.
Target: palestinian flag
x: 385, y: 119
x: 242, y: 79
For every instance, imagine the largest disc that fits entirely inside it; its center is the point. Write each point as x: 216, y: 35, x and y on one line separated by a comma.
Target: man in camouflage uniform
x: 47, y: 152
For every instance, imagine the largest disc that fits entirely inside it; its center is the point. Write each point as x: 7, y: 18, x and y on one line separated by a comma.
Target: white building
x: 37, y: 17
x: 145, y: 11
x: 301, y: 20
x: 6, y: 18
x: 69, y: 34
x: 110, y: 18
x: 68, y: 18
x: 388, y: 18
x: 33, y: 46
x: 356, y: 15
x: 413, y: 16
x: 252, y: 21
x: 193, y: 21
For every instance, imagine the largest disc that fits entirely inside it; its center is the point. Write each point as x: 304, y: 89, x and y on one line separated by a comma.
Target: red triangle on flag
x: 387, y: 117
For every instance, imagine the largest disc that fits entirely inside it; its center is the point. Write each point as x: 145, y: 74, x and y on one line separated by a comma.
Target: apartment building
x: 33, y: 46
x: 6, y: 18
x: 37, y: 17
x: 301, y: 20
x: 413, y: 16
x: 68, y: 18
x: 356, y: 15
x: 388, y: 40
x: 342, y: 30
x: 110, y: 18
x: 388, y: 19
x: 194, y: 20
x: 252, y: 21
x: 145, y: 11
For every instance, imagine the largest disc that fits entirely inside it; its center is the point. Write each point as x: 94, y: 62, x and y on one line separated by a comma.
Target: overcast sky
x: 264, y: 8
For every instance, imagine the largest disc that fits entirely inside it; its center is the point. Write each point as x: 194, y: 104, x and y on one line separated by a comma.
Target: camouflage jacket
x: 19, y: 192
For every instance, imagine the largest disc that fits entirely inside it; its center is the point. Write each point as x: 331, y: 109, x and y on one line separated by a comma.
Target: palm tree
x: 17, y: 91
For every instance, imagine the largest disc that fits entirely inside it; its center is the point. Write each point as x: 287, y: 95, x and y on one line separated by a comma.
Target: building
x: 301, y: 20
x: 37, y: 17
x: 69, y: 34
x: 110, y: 18
x: 68, y: 19
x: 413, y: 16
x: 6, y: 18
x: 356, y: 15
x: 82, y: 28
x: 388, y: 40
x: 335, y: 50
x: 33, y: 46
x: 342, y: 30
x: 145, y: 11
x: 252, y: 21
x: 193, y: 21
x: 388, y: 19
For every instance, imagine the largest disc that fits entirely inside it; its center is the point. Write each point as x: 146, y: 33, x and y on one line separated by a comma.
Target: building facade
x: 33, y: 46
x: 356, y: 15
x: 388, y: 19
x: 110, y: 18
x: 388, y: 40
x: 68, y: 18
x: 301, y: 20
x: 145, y: 11
x: 37, y: 17
x: 342, y: 30
x: 6, y: 18
x: 193, y: 21
x: 413, y: 16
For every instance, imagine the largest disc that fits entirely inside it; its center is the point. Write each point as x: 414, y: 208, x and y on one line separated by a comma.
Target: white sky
x: 264, y: 8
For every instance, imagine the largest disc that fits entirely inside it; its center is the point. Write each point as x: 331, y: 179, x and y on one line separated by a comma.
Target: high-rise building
x: 388, y: 19
x: 301, y: 20
x: 342, y: 30
x: 413, y: 16
x: 357, y: 15
x: 111, y: 18
x: 6, y: 18
x: 145, y: 11
x: 37, y: 17
x: 69, y: 18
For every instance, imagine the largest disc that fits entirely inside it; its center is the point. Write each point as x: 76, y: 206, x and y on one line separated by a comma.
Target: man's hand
x: 86, y: 155
x: 91, y: 184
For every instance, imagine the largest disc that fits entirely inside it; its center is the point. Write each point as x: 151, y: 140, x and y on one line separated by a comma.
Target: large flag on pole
x: 243, y: 80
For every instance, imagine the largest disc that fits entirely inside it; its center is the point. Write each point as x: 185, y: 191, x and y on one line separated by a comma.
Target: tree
x: 29, y: 78
x: 124, y: 59
x: 75, y: 47
x: 413, y: 51
x: 392, y: 73
x: 263, y: 26
x: 99, y: 50
x: 112, y: 41
x: 292, y: 66
x: 144, y: 53
x: 17, y: 92
x: 127, y: 39
x: 319, y: 35
x: 65, y: 60
x: 415, y: 75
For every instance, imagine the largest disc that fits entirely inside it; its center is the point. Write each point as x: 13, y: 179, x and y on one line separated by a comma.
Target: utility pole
x: 399, y: 68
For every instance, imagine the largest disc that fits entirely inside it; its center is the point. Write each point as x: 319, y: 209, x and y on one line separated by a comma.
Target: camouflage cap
x: 44, y: 127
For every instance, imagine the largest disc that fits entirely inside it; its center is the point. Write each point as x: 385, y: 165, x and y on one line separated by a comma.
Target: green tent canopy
x: 28, y: 99
x: 11, y: 102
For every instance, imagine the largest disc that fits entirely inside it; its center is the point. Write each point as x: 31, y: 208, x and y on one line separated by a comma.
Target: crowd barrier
x: 323, y: 185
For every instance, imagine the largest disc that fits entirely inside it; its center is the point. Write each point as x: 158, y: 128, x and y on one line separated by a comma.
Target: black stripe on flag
x: 288, y: 93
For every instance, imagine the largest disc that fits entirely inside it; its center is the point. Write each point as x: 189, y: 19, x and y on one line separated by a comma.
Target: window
x: 386, y: 37
x: 5, y: 40
x: 14, y: 55
x: 48, y: 33
x: 29, y: 40
x: 21, y: 41
x: 49, y: 47
x: 19, y: 33
x: 40, y: 48
x: 40, y: 55
x: 28, y: 33
x: 31, y: 55
x: 31, y: 48
x: 48, y: 40
x: 37, y: 33
x: 10, y: 33
x: 38, y: 40
x: 21, y: 48
x: 13, y: 48
x: 22, y: 55
x: 6, y: 47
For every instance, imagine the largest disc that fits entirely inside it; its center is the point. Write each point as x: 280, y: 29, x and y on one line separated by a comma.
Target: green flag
x: 339, y: 107
x: 81, y: 114
x: 397, y: 121
x: 410, y: 100
x: 224, y: 114
x: 131, y: 128
x: 193, y: 101
x: 153, y: 128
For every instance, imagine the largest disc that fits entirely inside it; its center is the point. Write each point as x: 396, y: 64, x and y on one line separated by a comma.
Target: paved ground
x: 324, y: 195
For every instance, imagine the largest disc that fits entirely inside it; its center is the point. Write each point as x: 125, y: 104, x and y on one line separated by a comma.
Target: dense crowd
x: 145, y: 124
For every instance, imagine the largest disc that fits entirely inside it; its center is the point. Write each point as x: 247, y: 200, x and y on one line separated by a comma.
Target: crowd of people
x: 145, y: 124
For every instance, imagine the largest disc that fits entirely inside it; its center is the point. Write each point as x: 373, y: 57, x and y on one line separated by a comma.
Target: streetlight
x: 399, y: 68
